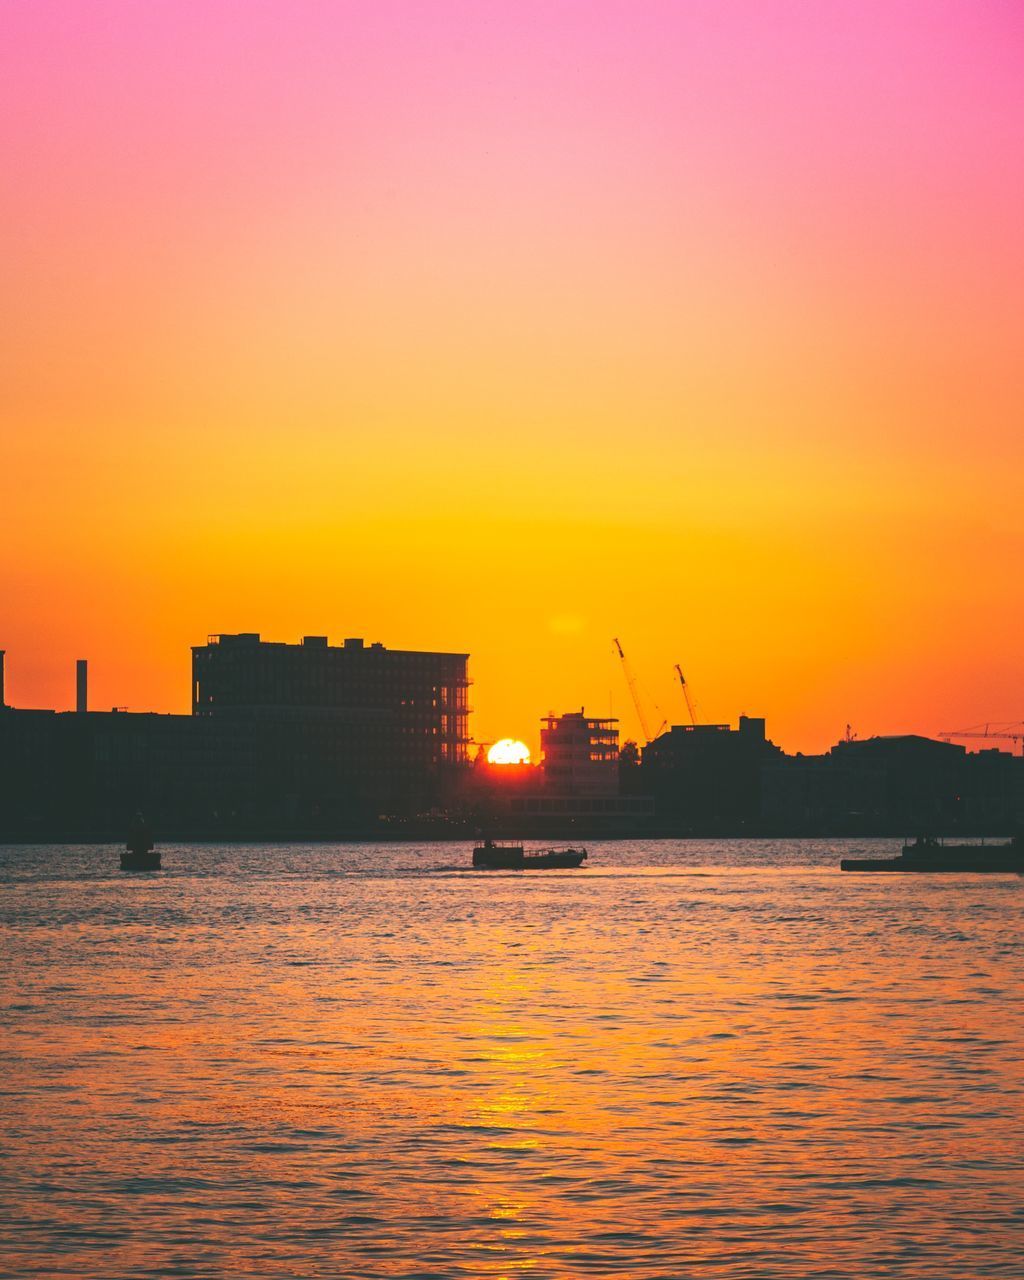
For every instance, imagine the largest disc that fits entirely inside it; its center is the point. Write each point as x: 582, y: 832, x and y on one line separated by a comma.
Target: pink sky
x: 720, y: 301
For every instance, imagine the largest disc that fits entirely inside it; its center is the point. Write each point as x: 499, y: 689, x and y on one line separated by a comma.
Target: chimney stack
x: 82, y: 685
x: 3, y: 700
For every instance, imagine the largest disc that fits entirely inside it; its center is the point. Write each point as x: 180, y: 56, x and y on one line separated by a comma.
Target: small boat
x: 491, y: 856
x: 143, y: 860
x: 139, y: 853
x: 928, y: 855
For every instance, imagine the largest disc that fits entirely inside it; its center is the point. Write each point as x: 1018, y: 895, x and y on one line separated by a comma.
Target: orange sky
x: 509, y: 329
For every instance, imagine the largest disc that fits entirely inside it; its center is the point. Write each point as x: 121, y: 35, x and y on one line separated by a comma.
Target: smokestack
x: 3, y: 700
x: 82, y: 684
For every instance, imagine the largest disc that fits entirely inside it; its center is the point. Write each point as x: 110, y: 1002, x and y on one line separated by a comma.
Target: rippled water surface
x: 701, y: 1060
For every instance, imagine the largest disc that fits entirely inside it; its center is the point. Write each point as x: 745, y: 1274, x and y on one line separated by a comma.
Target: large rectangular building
x: 419, y: 702
x: 708, y: 773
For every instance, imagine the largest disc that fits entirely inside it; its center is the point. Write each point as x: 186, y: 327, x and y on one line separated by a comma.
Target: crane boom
x: 686, y: 694
x: 634, y: 692
x: 1008, y: 730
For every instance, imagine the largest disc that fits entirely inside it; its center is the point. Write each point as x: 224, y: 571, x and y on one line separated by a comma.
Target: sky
x: 510, y: 328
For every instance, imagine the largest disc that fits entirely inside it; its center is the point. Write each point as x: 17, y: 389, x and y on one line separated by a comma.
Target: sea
x: 688, y: 1059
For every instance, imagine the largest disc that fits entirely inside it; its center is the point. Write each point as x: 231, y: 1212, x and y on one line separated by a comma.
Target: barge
x: 928, y: 855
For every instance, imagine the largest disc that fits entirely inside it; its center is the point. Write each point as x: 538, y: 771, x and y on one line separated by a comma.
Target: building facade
x: 283, y: 738
x: 580, y: 755
x: 579, y: 786
x: 406, y: 702
x: 708, y: 773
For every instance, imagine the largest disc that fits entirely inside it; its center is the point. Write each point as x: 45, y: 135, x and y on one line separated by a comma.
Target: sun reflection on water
x: 648, y: 1076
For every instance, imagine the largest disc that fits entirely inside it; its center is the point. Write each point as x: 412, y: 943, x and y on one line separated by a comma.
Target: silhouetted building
x: 707, y: 773
x: 284, y: 738
x: 579, y: 755
x: 823, y: 793
x: 922, y: 779
x: 992, y: 795
x: 353, y: 728
x: 420, y: 700
x: 310, y: 738
x: 81, y: 771
x: 904, y: 783
x: 580, y: 781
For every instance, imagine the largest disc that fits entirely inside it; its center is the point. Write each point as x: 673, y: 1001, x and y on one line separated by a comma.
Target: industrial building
x: 303, y: 737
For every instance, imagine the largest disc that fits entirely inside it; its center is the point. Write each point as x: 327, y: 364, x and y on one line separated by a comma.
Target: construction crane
x: 1013, y: 730
x: 686, y: 694
x: 635, y: 694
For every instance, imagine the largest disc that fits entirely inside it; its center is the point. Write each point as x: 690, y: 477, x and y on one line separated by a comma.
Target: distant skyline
x: 512, y: 328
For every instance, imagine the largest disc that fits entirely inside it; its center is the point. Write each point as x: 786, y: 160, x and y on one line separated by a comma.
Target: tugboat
x: 140, y: 853
x: 927, y: 854
x: 491, y: 856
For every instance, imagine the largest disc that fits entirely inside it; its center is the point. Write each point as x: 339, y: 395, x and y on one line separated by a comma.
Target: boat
x: 140, y: 853
x: 491, y: 856
x: 143, y: 860
x: 928, y: 855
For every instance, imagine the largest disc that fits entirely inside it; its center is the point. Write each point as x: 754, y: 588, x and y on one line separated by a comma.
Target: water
x: 708, y: 1060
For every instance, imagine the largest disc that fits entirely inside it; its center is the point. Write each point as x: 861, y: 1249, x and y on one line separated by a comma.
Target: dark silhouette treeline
x: 358, y: 741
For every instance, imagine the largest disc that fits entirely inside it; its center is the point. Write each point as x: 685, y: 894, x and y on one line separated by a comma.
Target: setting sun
x: 509, y: 751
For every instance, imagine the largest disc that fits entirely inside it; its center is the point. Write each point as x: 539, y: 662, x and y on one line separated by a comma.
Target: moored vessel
x: 491, y: 856
x: 927, y: 854
x: 140, y: 853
